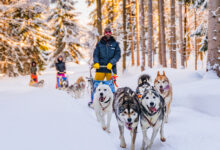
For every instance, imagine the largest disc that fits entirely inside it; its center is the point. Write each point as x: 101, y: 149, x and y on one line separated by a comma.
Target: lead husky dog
x: 164, y: 87
x: 127, y: 111
x: 103, y: 99
x: 152, y: 115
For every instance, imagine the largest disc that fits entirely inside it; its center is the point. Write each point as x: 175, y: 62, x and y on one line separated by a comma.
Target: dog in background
x: 103, y: 99
x: 143, y: 84
x: 127, y: 111
x: 37, y: 84
x: 152, y: 115
x: 77, y: 89
x: 164, y: 87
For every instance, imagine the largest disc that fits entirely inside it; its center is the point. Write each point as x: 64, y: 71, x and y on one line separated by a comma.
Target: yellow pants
x: 101, y: 76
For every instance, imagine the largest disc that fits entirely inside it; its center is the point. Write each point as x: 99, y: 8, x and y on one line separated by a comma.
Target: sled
x: 34, y: 81
x: 94, y: 84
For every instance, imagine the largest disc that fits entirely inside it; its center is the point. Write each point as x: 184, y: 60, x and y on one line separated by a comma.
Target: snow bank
x: 45, y: 119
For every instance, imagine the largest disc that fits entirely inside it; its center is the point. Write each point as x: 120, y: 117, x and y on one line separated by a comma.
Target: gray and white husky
x: 127, y: 112
x: 103, y: 99
x: 152, y: 115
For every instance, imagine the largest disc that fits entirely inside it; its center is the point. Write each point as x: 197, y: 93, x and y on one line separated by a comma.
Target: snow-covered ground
x: 48, y: 119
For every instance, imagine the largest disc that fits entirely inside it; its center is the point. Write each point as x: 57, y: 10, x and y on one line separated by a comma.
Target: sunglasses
x: 108, y: 32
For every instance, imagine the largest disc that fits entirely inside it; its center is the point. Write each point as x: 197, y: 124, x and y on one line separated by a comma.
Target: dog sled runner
x: 94, y: 84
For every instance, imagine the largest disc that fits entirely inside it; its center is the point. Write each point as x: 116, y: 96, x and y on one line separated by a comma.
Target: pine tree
x: 137, y: 31
x: 66, y: 30
x: 213, y: 63
x: 173, y: 35
x: 125, y: 35
x: 150, y: 33
x: 162, y: 32
x: 21, y: 37
x: 142, y: 38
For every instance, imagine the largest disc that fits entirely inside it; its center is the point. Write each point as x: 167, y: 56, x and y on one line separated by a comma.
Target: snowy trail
x: 48, y: 119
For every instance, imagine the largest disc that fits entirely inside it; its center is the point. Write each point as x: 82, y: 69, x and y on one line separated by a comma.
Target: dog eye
x: 154, y: 97
x: 147, y: 97
x: 105, y: 89
x: 99, y: 89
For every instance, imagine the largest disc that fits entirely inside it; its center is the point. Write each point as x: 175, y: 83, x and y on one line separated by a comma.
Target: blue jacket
x: 107, y: 51
x: 60, y: 66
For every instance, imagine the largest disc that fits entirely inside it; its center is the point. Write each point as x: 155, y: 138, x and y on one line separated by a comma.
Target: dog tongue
x: 128, y: 125
x: 153, y: 109
x: 161, y: 90
x: 101, y: 99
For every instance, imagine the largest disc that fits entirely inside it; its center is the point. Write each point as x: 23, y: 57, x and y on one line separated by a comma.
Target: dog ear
x: 158, y: 73
x: 164, y: 73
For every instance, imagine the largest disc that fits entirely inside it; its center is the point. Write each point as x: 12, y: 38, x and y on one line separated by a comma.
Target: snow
x: 48, y: 119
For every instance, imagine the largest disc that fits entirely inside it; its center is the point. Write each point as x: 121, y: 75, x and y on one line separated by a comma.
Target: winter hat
x: 107, y: 29
x: 33, y: 62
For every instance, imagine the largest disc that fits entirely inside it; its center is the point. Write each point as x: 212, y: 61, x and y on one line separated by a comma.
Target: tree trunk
x: 185, y: 29
x: 195, y: 40
x: 150, y: 33
x: 181, y: 35
x: 137, y: 31
x: 213, y: 63
x: 125, y: 35
x: 160, y: 57
x: 162, y: 33
x: 99, y: 16
x: 131, y: 33
x: 142, y: 38
x: 173, y: 35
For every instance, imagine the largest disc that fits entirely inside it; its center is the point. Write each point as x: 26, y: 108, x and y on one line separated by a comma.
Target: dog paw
x: 123, y: 145
x: 163, y: 139
x: 149, y: 146
x: 108, y: 130
x: 104, y: 128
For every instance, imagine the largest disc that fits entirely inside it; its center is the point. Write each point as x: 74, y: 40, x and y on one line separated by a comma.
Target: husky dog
x: 78, y: 88
x: 164, y: 87
x: 127, y: 111
x: 103, y: 99
x: 38, y: 84
x: 63, y: 83
x: 152, y: 115
x: 143, y: 84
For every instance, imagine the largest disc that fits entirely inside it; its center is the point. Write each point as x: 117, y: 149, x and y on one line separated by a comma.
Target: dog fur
x: 78, y: 88
x: 127, y: 111
x: 103, y: 99
x: 152, y: 115
x: 143, y: 85
x: 164, y: 87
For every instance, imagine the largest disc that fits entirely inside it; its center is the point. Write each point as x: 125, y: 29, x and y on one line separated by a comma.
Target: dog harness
x: 150, y: 114
x: 103, y: 108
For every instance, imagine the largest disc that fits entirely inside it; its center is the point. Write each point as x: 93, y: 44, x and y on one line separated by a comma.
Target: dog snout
x: 129, y: 119
x: 161, y: 86
x: 101, y: 94
x: 151, y: 103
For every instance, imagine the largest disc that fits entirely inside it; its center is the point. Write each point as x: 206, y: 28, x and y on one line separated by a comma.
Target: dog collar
x: 103, y: 108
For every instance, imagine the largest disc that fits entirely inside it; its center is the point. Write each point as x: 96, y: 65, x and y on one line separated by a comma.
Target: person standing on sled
x: 61, y: 70
x: 34, y: 78
x: 107, y: 53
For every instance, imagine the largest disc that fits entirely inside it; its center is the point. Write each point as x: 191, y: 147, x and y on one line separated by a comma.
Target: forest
x: 151, y: 33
